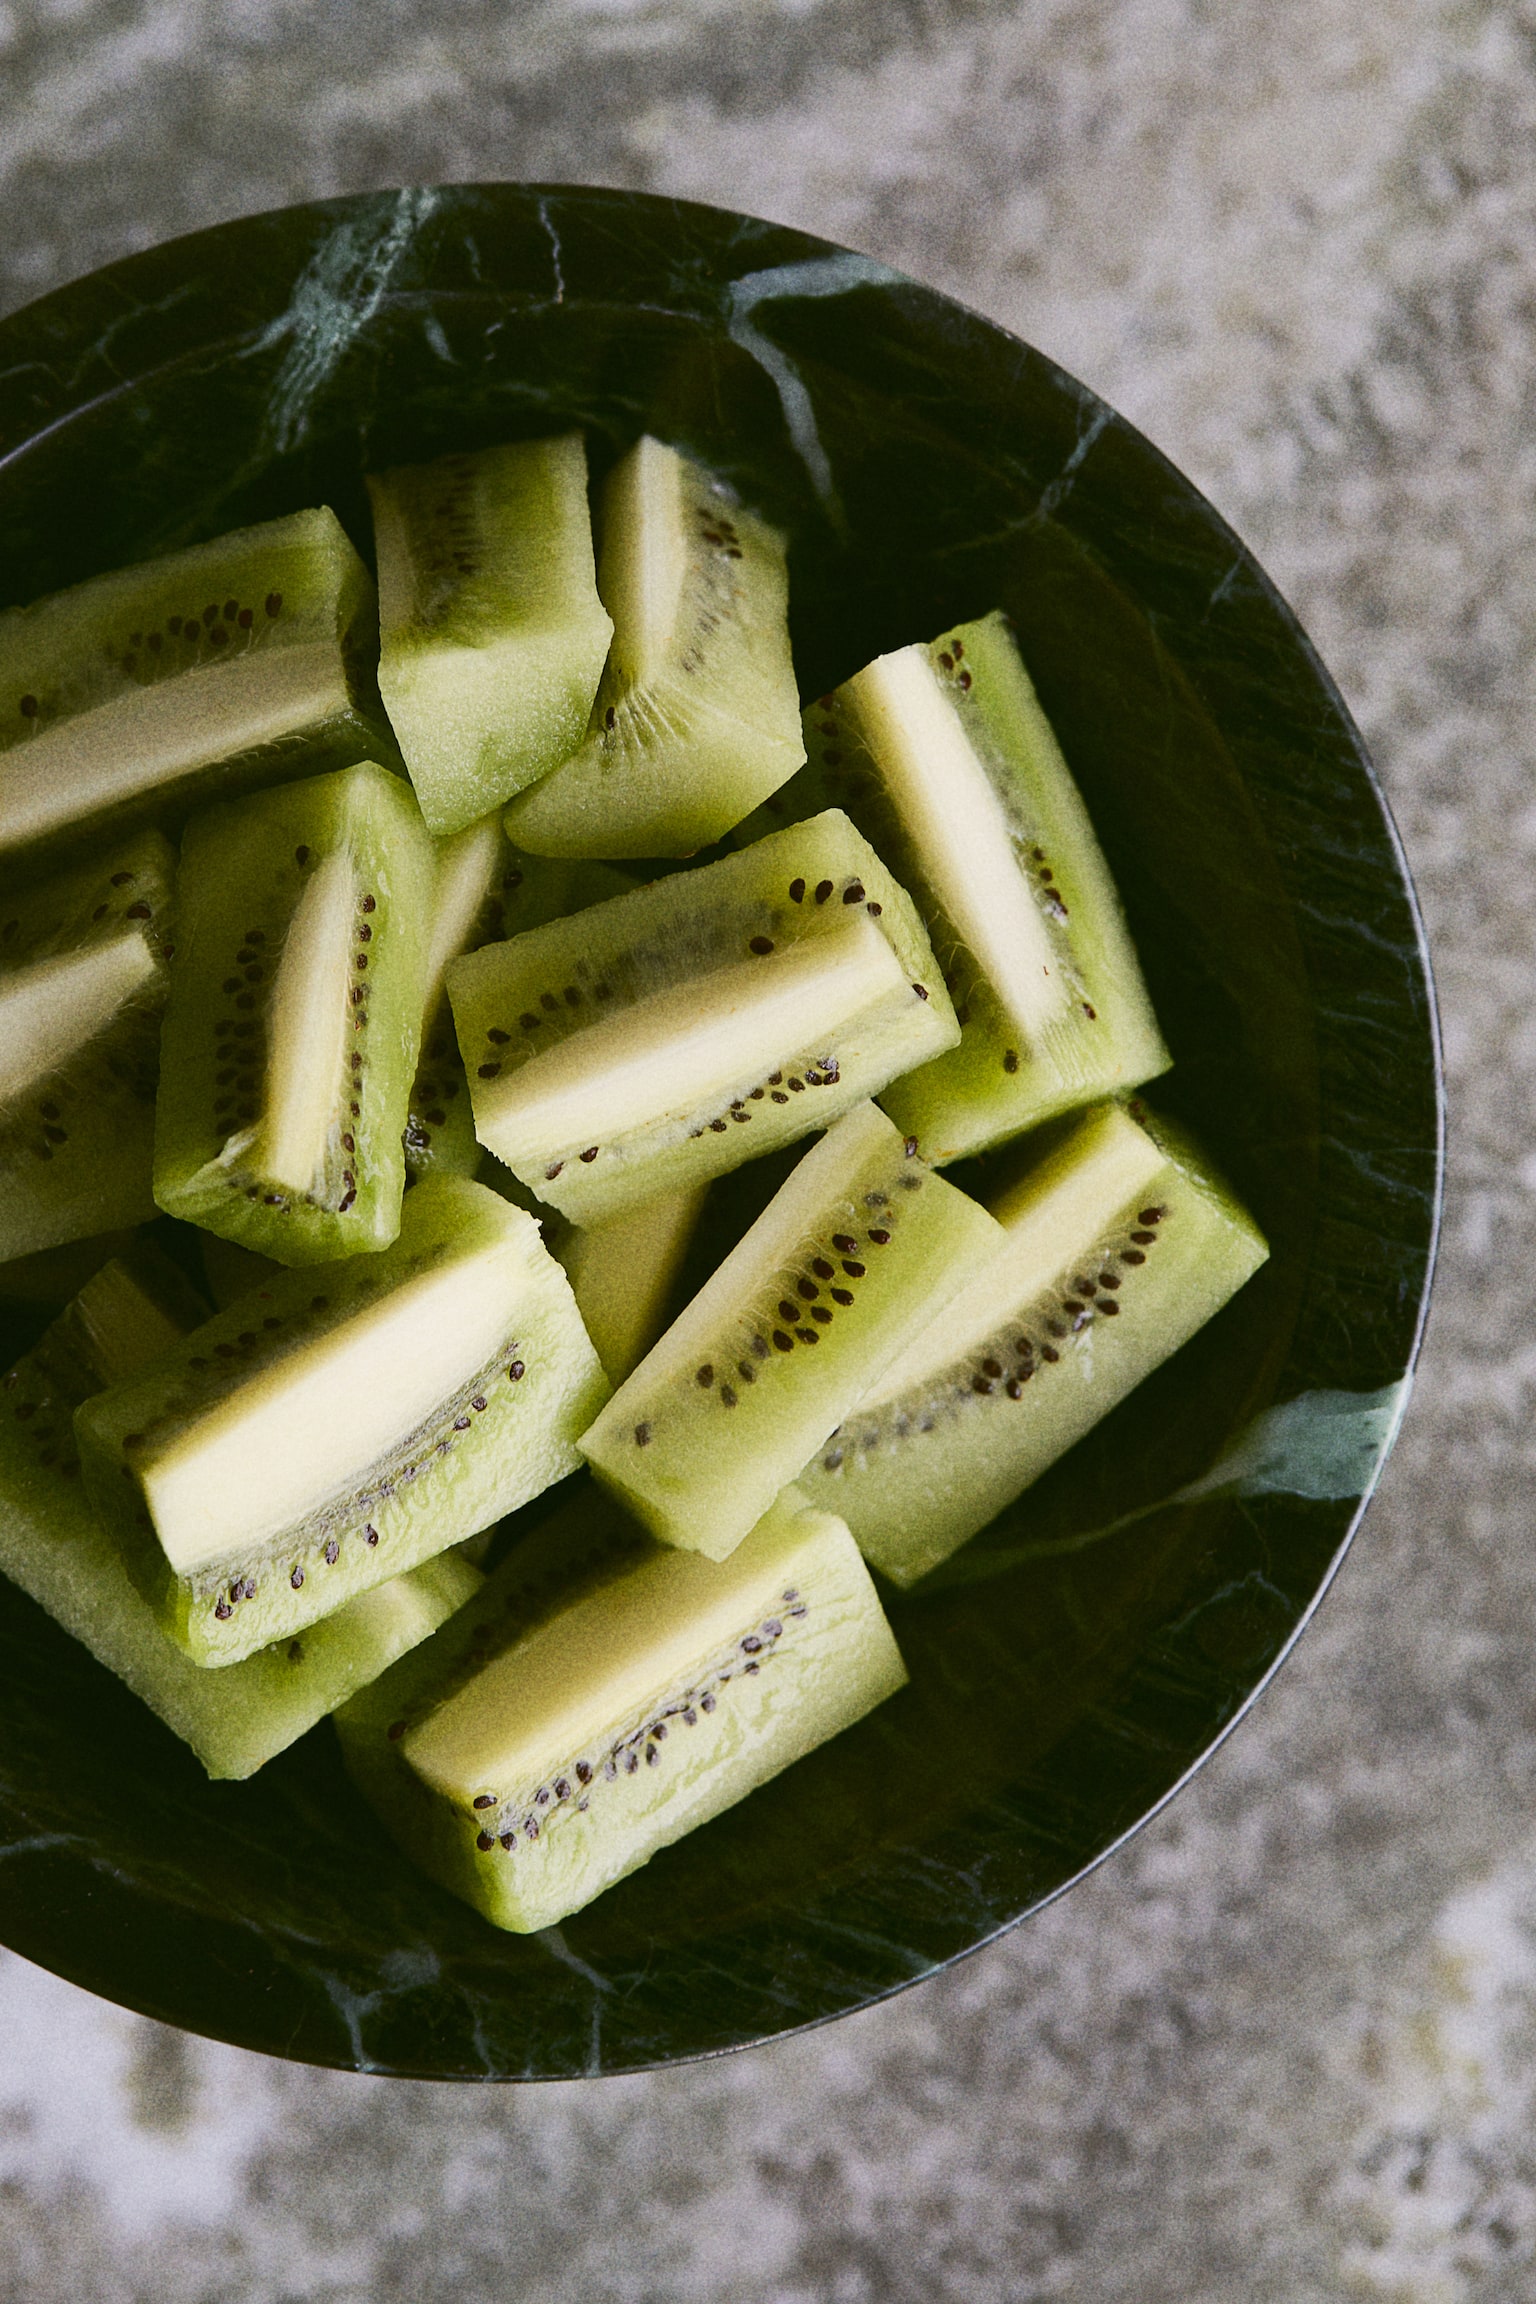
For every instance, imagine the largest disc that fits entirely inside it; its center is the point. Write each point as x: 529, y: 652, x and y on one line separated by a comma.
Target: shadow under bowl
x: 1076, y: 1661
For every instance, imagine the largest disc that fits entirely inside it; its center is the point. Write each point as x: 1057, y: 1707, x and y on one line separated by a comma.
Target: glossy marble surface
x: 1275, y: 2048
x: 1083, y: 1654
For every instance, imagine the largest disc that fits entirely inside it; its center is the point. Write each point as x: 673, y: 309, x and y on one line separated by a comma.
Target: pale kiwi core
x: 253, y: 1465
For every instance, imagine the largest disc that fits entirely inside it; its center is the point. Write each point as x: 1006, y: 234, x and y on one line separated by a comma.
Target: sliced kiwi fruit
x: 664, y: 1037
x: 529, y: 1764
x: 1115, y: 1249
x: 624, y: 1274
x: 83, y: 978
x: 54, y: 1546
x: 51, y: 1276
x: 574, y: 1549
x: 137, y: 1306
x: 501, y: 1181
x: 859, y: 1246
x: 341, y: 1424
x: 942, y: 755
x: 493, y: 634
x: 294, y: 1020
x: 238, y: 662
x: 697, y: 719
x: 471, y: 868
x: 485, y: 892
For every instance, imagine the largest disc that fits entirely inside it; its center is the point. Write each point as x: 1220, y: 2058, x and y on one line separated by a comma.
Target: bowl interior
x: 1072, y: 1664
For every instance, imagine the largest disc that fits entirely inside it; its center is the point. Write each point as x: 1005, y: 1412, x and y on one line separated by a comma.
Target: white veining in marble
x: 830, y: 276
x: 339, y: 293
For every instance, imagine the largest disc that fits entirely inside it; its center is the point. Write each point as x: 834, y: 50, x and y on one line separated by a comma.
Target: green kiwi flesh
x: 664, y: 1037
x: 54, y: 1546
x: 340, y: 1425
x: 594, y: 1734
x: 238, y: 662
x: 624, y: 1272
x: 1115, y: 1249
x: 470, y: 869
x: 485, y: 892
x: 860, y: 1246
x: 83, y: 978
x: 493, y: 634
x: 697, y: 718
x: 293, y: 1027
x: 51, y: 1276
x: 575, y: 1549
x: 943, y: 756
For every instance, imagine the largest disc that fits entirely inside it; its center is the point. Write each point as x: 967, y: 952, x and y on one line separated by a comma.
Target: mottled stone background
x: 1283, y: 2049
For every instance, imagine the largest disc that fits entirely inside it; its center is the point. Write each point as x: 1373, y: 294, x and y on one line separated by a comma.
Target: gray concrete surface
x: 1281, y: 2050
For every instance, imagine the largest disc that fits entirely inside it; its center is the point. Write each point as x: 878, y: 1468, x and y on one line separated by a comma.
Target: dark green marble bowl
x: 1074, y: 1663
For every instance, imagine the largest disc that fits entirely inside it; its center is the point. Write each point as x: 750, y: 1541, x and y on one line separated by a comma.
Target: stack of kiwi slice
x: 367, y: 969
